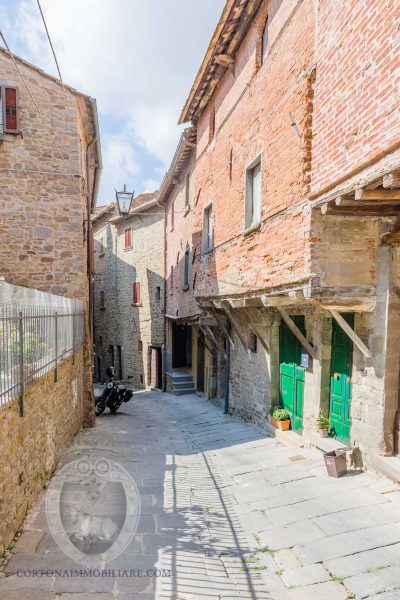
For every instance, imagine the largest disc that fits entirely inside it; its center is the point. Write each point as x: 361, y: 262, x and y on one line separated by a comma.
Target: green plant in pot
x: 280, y: 417
x: 323, y: 425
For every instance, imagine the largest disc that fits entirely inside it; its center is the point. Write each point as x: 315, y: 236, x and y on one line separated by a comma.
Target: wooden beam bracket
x: 236, y: 328
x: 351, y: 333
x: 257, y: 331
x: 222, y: 326
x: 296, y: 332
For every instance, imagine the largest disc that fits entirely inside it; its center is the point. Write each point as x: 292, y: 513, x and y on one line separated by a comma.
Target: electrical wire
x: 55, y: 60
x: 47, y: 126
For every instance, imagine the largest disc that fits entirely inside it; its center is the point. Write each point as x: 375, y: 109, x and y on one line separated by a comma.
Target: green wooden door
x: 341, y: 368
x: 291, y: 375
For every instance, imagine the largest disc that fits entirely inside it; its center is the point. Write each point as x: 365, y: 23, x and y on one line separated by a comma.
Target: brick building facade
x: 294, y: 156
x: 129, y: 291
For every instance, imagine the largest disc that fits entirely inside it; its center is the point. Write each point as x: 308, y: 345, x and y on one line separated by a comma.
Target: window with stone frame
x: 208, y: 229
x: 185, y: 285
x: 9, y: 114
x: 253, y: 342
x: 253, y: 194
x: 264, y: 42
x: 211, y: 124
x: 102, y: 300
x: 187, y: 190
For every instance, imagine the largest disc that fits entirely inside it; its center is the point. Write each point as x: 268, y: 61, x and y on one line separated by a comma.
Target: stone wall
x: 136, y: 328
x: 31, y: 446
x: 43, y: 196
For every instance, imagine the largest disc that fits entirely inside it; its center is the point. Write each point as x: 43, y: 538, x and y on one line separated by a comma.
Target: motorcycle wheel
x: 113, y: 410
x: 99, y: 407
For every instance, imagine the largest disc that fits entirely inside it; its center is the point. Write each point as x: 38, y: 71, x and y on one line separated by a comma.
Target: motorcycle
x: 113, y: 395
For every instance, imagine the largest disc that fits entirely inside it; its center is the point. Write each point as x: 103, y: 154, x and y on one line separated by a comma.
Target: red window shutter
x: 10, y: 109
x: 136, y: 292
x: 128, y: 238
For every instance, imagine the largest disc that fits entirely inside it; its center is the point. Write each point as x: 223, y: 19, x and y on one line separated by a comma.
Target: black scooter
x: 113, y: 395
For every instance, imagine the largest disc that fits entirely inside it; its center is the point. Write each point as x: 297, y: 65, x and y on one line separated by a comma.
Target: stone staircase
x: 182, y: 383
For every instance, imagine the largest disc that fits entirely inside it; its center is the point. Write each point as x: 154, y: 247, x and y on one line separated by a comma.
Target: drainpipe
x: 91, y: 199
x: 164, y: 348
x: 227, y: 369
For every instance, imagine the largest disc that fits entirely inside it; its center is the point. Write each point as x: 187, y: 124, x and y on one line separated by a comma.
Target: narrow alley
x: 226, y: 512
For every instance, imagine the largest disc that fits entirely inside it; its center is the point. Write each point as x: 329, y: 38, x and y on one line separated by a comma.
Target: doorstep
x: 326, y: 444
x: 287, y: 437
x: 388, y: 466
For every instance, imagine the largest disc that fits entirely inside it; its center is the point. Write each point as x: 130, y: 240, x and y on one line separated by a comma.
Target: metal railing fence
x: 33, y: 340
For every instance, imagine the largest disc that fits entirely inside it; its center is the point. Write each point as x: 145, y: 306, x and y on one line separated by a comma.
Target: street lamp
x: 124, y: 201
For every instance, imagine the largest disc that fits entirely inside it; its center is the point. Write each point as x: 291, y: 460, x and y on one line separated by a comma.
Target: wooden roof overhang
x: 220, y: 56
x: 379, y: 198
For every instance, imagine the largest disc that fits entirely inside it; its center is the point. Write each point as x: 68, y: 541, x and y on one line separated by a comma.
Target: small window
x: 9, y: 121
x: 208, y: 229
x: 128, y: 238
x: 101, y: 341
x: 102, y: 247
x: 172, y: 216
x: 264, y: 47
x: 140, y: 346
x: 253, y: 342
x: 186, y: 270
x: 136, y: 293
x: 211, y: 125
x: 187, y: 190
x: 141, y: 377
x: 158, y: 293
x: 253, y: 194
x: 102, y: 300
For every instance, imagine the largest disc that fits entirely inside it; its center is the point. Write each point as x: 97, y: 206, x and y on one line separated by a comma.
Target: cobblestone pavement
x: 227, y: 513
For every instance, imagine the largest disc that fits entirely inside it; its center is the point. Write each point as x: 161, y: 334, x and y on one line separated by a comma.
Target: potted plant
x: 280, y: 418
x: 323, y: 426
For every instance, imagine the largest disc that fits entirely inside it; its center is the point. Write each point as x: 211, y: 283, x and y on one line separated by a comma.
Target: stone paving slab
x: 227, y: 513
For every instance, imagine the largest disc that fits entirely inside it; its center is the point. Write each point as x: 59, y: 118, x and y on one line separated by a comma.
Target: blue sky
x: 138, y: 58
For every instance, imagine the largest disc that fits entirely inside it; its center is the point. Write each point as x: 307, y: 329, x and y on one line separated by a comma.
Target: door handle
x: 336, y: 376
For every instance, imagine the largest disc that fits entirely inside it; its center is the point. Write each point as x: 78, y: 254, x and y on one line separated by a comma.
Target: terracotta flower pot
x: 282, y: 425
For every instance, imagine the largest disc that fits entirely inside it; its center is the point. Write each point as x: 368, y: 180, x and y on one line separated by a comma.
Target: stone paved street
x: 230, y: 512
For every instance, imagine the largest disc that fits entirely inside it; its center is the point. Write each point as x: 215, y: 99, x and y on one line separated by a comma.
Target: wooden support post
x: 211, y: 350
x: 222, y: 326
x: 216, y: 342
x: 296, y: 332
x: 351, y: 333
x: 236, y: 328
x: 257, y: 331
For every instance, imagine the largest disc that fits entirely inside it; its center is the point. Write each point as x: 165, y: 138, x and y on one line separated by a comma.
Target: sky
x: 138, y: 58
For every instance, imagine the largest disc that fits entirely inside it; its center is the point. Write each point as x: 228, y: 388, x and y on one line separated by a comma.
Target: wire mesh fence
x: 34, y: 340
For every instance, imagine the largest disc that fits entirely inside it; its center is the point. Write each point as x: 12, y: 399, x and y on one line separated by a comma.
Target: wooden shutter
x: 136, y: 292
x: 10, y: 109
x: 128, y: 238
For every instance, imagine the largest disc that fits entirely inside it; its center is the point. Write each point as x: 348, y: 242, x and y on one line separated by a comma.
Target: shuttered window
x: 9, y: 121
x: 128, y: 238
x: 136, y: 292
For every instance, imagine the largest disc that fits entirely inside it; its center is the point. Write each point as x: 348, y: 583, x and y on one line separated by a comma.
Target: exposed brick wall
x: 253, y: 118
x: 32, y: 445
x: 356, y: 114
x: 180, y: 235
